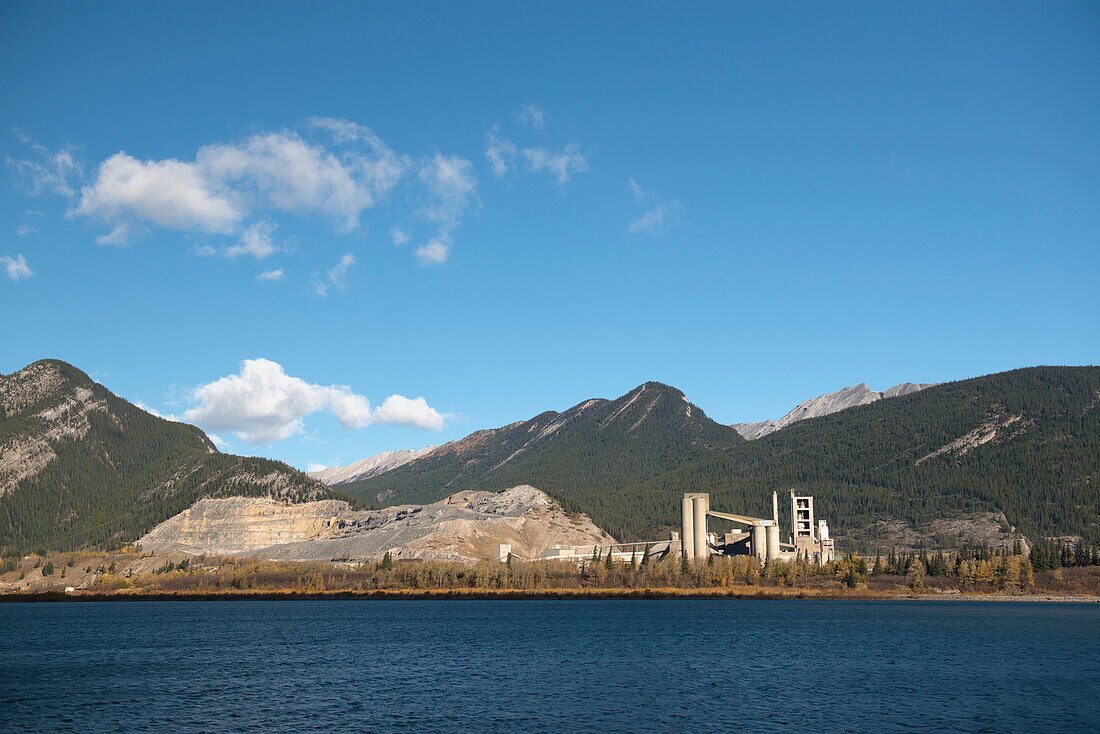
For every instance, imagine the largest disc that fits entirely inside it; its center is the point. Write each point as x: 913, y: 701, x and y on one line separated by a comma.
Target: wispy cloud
x: 16, y: 267
x: 452, y: 189
x: 533, y: 116
x: 657, y: 220
x: 399, y: 237
x: 256, y: 241
x: 659, y: 216
x: 562, y: 165
x: 270, y: 276
x: 500, y: 152
x: 335, y: 276
x: 47, y: 170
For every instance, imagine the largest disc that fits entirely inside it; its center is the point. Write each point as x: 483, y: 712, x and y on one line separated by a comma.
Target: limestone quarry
x: 465, y: 526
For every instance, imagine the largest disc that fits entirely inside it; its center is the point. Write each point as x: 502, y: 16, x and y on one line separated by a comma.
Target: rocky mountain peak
x: 833, y: 402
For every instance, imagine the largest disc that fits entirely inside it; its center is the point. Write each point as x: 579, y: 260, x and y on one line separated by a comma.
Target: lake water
x: 502, y: 666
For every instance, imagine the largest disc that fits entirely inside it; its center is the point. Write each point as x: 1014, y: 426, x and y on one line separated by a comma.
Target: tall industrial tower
x: 802, y: 524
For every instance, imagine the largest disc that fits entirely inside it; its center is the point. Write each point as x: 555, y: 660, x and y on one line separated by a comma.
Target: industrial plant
x: 808, y: 540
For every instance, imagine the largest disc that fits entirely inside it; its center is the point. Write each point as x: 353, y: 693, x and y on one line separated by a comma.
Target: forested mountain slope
x: 80, y: 466
x: 602, y: 450
x: 1026, y: 443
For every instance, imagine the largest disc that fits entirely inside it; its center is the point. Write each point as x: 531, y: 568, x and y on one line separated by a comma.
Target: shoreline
x: 732, y: 594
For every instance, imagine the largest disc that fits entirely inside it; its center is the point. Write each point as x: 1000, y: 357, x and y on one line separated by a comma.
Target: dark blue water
x: 549, y: 666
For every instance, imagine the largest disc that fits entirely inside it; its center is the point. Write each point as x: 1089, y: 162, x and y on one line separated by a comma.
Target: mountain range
x: 1019, y: 450
x: 848, y: 397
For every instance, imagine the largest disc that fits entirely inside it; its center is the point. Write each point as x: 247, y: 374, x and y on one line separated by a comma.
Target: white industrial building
x: 758, y: 536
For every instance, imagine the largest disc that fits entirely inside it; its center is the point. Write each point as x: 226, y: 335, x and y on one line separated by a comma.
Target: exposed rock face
x: 998, y: 426
x: 983, y: 528
x: 64, y: 416
x: 832, y: 402
x: 465, y: 526
x: 369, y: 467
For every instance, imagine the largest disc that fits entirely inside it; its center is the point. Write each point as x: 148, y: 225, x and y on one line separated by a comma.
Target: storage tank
x: 687, y: 531
x: 759, y: 542
x: 773, y: 541
x: 700, y: 527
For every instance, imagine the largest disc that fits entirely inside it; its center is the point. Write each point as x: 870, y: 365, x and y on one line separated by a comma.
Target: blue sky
x: 754, y: 203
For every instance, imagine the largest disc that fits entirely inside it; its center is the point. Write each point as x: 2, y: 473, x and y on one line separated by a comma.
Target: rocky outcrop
x: 465, y: 526
x: 826, y: 404
x: 40, y: 395
x: 990, y: 529
x: 999, y: 426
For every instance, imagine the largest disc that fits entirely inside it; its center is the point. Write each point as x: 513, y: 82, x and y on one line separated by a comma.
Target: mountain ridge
x: 832, y: 402
x: 640, y: 431
x: 1023, y: 443
x: 379, y: 463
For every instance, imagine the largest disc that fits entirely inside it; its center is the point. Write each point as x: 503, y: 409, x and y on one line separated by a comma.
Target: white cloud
x: 256, y: 241
x: 500, y: 152
x: 263, y: 404
x: 26, y: 229
x: 288, y: 174
x: 271, y: 276
x: 168, y: 193
x: 435, y: 252
x: 51, y: 171
x: 16, y: 267
x: 451, y: 184
x: 220, y: 442
x: 400, y: 410
x: 228, y: 182
x: 532, y: 116
x: 331, y: 168
x: 636, y: 190
x: 561, y: 165
x: 316, y: 467
x: 376, y: 164
x: 203, y: 250
x: 336, y: 275
x: 153, y: 411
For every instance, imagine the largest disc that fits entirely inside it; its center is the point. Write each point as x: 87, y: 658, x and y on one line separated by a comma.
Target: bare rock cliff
x: 465, y: 526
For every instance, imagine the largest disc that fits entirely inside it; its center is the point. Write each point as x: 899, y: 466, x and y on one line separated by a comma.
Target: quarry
x: 467, y: 526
